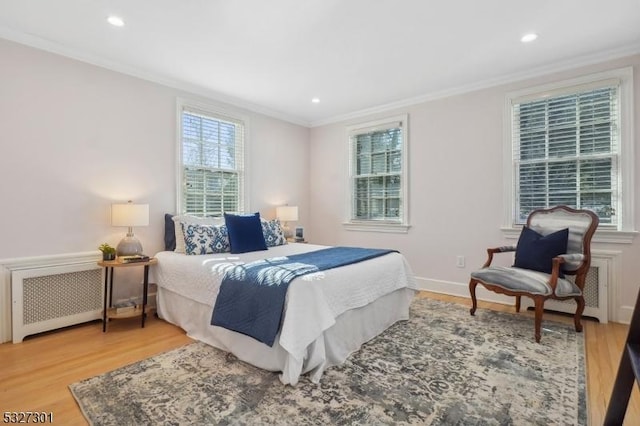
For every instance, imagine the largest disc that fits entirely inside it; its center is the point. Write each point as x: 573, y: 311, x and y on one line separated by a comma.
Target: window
x: 211, y: 163
x: 567, y: 143
x: 566, y: 152
x: 378, y: 176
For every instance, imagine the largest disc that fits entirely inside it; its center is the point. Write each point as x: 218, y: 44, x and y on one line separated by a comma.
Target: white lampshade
x: 130, y: 214
x: 287, y: 213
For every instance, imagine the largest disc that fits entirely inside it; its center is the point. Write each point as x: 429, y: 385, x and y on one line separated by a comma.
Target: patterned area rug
x: 442, y: 367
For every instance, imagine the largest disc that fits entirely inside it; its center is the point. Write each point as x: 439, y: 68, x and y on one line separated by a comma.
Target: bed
x: 327, y: 316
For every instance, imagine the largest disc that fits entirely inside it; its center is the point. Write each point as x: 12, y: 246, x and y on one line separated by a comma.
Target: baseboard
x: 623, y: 314
x: 462, y: 290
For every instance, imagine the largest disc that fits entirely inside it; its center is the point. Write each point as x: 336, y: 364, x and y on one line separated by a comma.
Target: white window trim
x: 380, y: 226
x: 627, y: 230
x: 181, y: 104
x: 395, y: 228
x: 601, y: 235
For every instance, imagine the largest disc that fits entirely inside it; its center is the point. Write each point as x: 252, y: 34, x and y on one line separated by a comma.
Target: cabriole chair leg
x: 474, y: 301
x: 538, y: 318
x: 579, y: 311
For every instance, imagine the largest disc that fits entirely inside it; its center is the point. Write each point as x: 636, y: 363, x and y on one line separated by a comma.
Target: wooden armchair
x: 554, y: 242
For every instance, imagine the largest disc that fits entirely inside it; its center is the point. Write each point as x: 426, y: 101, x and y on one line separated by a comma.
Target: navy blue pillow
x: 169, y: 233
x: 536, y: 252
x: 245, y: 233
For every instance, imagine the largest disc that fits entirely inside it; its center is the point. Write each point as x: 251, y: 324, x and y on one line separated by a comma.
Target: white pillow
x: 191, y: 220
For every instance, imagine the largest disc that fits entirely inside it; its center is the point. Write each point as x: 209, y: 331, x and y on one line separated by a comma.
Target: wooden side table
x: 108, y: 312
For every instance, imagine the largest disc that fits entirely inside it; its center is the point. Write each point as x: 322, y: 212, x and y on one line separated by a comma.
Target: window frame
x: 624, y: 231
x: 376, y: 225
x: 216, y: 113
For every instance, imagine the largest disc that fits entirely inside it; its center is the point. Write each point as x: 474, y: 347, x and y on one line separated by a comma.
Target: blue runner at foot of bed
x: 251, y: 297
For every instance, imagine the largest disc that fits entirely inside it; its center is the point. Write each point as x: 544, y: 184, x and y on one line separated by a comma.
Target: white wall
x: 75, y: 138
x: 456, y: 181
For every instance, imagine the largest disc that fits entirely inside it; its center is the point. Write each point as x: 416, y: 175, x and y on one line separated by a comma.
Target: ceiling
x: 356, y: 56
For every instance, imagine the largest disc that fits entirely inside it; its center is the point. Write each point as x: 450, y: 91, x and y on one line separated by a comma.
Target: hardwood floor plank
x: 35, y: 374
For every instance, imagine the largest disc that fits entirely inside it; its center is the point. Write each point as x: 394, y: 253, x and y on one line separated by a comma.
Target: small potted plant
x: 108, y: 252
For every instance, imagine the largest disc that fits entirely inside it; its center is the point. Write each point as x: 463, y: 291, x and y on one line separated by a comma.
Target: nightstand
x: 108, y: 312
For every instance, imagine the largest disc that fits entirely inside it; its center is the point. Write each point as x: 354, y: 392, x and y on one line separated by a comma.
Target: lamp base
x: 129, y: 246
x: 288, y: 234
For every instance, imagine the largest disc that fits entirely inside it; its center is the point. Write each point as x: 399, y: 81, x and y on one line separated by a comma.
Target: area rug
x: 442, y: 367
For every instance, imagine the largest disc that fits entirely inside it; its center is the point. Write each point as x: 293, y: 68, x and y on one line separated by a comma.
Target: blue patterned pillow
x: 273, y: 234
x: 205, y: 239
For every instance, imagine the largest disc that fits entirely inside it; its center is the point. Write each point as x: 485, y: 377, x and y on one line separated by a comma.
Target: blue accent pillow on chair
x: 536, y: 252
x: 245, y: 233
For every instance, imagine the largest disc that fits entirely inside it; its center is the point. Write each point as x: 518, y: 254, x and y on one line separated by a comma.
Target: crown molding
x: 200, y: 91
x: 569, y: 64
x: 59, y: 49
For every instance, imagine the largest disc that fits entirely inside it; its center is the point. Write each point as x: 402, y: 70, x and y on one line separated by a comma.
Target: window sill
x: 601, y: 235
x: 377, y: 227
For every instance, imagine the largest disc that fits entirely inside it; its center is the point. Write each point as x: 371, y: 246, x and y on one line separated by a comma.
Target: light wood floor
x: 35, y: 374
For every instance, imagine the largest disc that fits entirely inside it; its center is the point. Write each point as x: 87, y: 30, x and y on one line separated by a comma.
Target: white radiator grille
x: 53, y: 297
x: 595, y: 294
x: 591, y: 290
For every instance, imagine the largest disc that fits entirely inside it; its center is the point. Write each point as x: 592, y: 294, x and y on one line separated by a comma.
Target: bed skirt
x: 332, y: 347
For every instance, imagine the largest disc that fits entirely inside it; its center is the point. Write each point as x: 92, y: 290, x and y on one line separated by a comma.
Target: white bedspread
x: 313, y: 302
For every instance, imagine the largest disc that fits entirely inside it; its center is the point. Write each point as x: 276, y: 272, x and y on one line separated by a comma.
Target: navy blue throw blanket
x: 251, y: 297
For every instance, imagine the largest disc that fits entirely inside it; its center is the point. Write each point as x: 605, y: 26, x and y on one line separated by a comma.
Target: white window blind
x: 378, y: 178
x: 212, y: 153
x: 566, y: 151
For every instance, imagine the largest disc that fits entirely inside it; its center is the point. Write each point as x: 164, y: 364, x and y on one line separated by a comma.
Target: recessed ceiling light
x: 315, y: 100
x: 529, y: 37
x: 116, y: 21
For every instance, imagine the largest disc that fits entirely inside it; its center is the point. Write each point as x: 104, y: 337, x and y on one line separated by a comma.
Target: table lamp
x: 287, y: 214
x: 129, y: 215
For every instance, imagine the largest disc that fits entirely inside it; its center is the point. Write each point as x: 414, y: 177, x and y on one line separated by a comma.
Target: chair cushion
x: 536, y: 252
x: 525, y: 280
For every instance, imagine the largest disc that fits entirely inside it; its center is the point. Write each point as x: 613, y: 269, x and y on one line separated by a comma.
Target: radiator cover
x: 595, y: 295
x: 53, y: 297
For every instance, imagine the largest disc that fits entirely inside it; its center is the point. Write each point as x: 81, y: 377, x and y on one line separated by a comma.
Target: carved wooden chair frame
x: 539, y: 300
